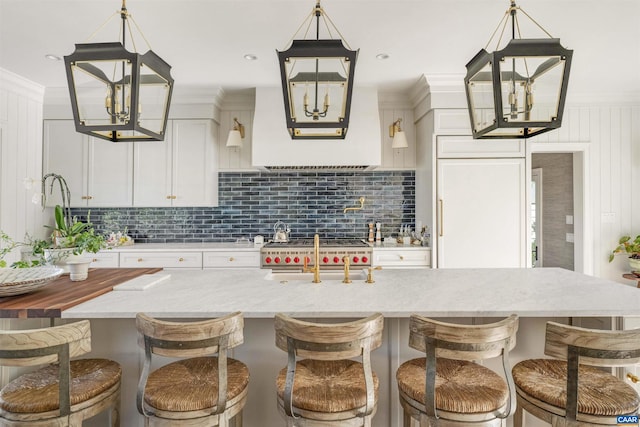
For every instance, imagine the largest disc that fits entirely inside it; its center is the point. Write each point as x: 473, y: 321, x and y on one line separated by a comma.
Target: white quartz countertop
x: 186, y: 247
x: 540, y: 292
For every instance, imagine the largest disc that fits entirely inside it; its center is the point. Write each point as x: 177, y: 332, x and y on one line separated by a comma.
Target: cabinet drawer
x: 450, y: 147
x: 104, y: 260
x: 231, y: 259
x: 402, y: 258
x: 161, y: 259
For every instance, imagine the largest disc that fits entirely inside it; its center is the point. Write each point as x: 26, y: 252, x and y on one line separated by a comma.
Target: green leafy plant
x: 70, y: 233
x: 627, y: 246
x: 8, y: 245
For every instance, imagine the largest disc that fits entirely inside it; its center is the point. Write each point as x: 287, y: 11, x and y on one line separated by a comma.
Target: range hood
x: 274, y: 150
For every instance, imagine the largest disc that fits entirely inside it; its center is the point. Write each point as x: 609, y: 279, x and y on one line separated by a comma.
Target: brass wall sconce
x: 399, y: 136
x: 236, y: 134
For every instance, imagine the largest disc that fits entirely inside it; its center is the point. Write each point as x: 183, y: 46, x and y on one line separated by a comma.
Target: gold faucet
x: 361, y: 200
x: 316, y: 260
x: 370, y: 274
x: 345, y: 259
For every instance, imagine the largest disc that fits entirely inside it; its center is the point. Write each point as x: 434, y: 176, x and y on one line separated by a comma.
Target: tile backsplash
x: 250, y: 203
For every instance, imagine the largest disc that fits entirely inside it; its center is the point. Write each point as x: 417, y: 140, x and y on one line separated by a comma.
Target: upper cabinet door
x: 152, y: 180
x: 195, y: 174
x: 99, y: 173
x: 65, y: 153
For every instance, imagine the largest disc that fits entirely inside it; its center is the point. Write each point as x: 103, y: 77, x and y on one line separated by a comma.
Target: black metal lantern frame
x: 317, y: 84
x: 520, y: 90
x: 116, y: 94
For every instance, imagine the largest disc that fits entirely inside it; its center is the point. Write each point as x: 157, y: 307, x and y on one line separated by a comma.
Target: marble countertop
x: 540, y: 292
x: 223, y: 246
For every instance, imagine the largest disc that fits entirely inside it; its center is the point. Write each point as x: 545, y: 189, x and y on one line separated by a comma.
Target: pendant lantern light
x: 116, y: 94
x: 317, y: 83
x: 520, y: 90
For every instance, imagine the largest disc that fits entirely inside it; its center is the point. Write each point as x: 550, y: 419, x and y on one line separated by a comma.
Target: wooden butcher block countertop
x: 62, y: 293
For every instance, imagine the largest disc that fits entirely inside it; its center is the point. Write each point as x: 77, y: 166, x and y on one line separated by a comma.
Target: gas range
x: 291, y: 255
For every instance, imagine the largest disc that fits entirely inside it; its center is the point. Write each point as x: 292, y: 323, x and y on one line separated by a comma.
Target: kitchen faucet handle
x: 370, y: 274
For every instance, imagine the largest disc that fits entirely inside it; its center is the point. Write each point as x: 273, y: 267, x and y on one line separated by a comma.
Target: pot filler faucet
x: 316, y: 260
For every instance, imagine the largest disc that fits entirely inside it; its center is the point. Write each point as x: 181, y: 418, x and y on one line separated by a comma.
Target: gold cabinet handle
x: 441, y: 217
x: 139, y: 259
x: 634, y: 379
x: 94, y: 260
x: 180, y: 259
x: 401, y: 257
x: 87, y: 197
x: 231, y: 259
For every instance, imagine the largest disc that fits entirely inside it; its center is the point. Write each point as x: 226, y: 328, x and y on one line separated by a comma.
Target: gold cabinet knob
x: 94, y: 260
x: 139, y: 259
x: 180, y: 259
x: 401, y: 257
x: 634, y: 379
x: 231, y: 259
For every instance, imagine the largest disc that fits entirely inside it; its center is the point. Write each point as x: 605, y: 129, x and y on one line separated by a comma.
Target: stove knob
x: 356, y: 259
x: 307, y: 259
x: 336, y: 259
x: 296, y: 260
x: 277, y: 260
x: 287, y: 260
x: 365, y: 259
x: 268, y: 260
x: 325, y: 260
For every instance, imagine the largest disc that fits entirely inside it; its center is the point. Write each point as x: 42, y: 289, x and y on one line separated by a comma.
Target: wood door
x: 481, y: 213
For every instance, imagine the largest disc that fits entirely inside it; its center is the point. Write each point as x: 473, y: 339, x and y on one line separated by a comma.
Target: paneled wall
x: 613, y: 135
x: 20, y: 154
x: 250, y: 203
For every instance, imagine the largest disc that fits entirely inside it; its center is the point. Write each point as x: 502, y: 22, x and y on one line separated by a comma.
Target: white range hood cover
x: 273, y: 148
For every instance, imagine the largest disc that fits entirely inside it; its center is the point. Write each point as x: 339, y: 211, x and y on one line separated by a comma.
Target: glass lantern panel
x: 480, y: 89
x: 102, y: 94
x: 317, y: 89
x: 531, y: 88
x: 153, y: 96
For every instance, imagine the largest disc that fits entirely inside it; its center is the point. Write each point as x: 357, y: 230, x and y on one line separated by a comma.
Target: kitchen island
x: 469, y: 295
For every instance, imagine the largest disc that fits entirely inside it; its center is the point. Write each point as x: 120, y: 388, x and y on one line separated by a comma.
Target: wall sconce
x: 116, y: 94
x: 399, y: 137
x: 236, y: 134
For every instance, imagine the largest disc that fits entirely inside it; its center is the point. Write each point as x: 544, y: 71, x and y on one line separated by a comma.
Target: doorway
x: 537, y: 243
x: 572, y: 231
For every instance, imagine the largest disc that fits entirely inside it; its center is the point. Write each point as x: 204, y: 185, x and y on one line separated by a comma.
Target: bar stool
x: 446, y: 387
x: 325, y: 387
x: 63, y: 393
x: 198, y: 389
x: 572, y: 389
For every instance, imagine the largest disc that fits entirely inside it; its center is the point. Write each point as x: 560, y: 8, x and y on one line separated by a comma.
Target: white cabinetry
x: 480, y: 204
x: 231, y: 259
x: 168, y: 259
x: 181, y: 171
x: 99, y: 173
x: 104, y: 259
x: 401, y: 257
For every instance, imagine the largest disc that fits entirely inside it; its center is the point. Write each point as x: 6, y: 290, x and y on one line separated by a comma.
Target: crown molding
x: 17, y: 84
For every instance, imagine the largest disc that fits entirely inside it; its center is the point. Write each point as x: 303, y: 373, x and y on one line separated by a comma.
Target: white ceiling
x: 205, y: 40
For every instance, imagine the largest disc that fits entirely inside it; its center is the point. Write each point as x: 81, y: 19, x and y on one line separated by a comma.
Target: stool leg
x: 237, y: 420
x: 518, y: 417
x: 406, y: 419
x: 114, y: 415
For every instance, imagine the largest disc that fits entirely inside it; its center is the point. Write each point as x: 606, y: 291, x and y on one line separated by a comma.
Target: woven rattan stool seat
x: 192, y: 384
x: 327, y: 386
x: 461, y: 387
x: 37, y: 391
x: 599, y: 392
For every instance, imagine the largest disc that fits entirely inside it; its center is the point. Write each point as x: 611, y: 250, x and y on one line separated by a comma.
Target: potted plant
x: 70, y: 239
x: 631, y: 248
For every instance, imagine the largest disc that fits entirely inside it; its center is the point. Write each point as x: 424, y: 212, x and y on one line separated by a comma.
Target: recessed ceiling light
x: 382, y: 56
x: 52, y: 57
x: 250, y: 57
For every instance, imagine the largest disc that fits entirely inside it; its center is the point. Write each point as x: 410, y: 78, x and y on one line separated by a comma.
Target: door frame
x: 583, y: 218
